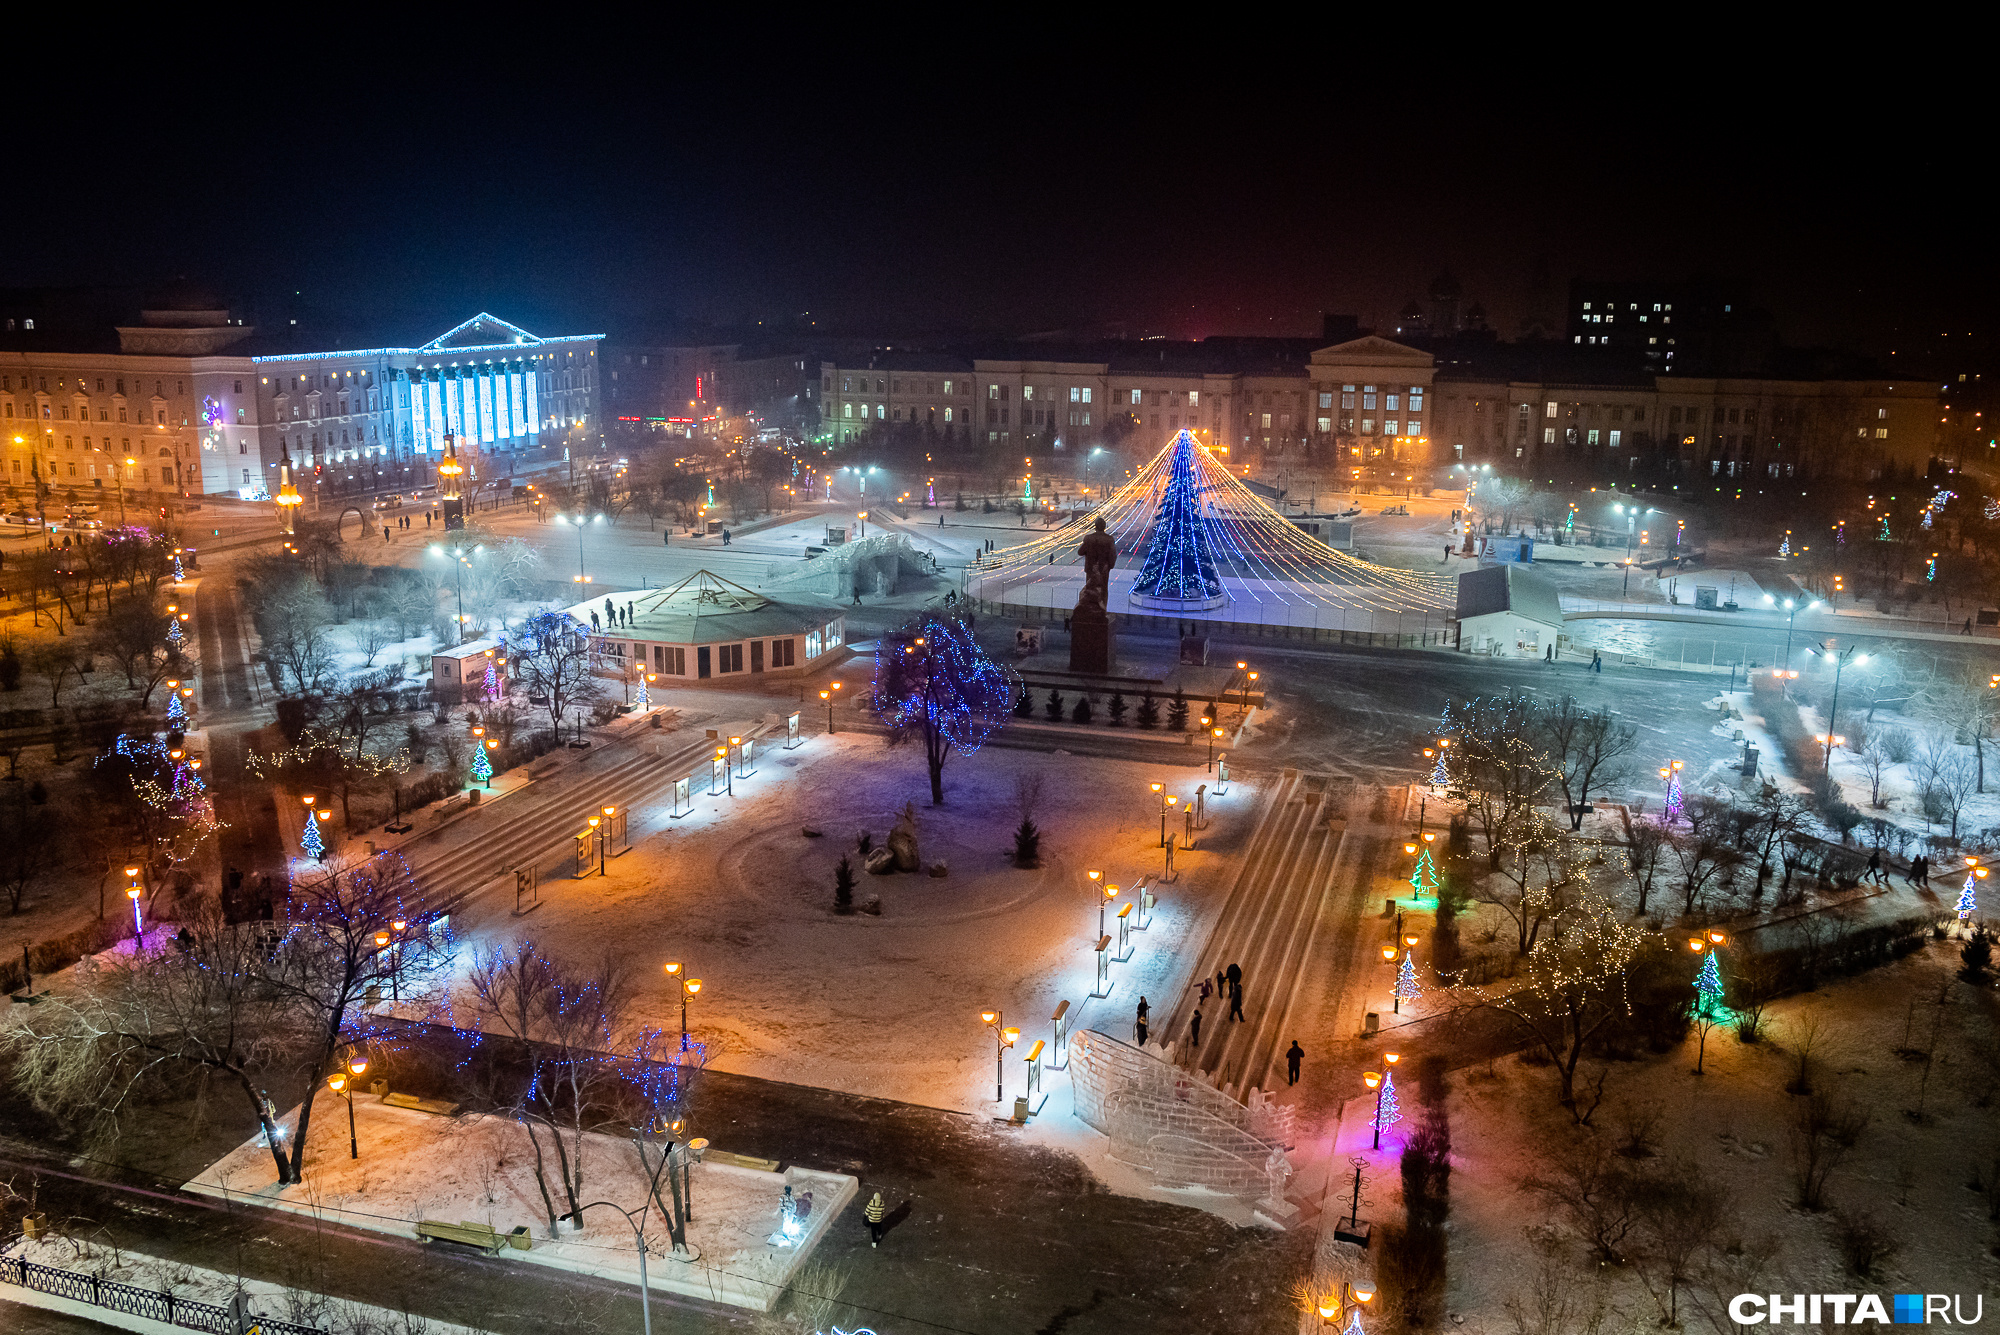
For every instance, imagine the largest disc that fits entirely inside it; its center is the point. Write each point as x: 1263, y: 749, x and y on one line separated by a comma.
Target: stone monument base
x: 1092, y: 647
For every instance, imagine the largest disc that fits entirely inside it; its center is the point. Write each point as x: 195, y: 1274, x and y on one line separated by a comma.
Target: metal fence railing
x: 151, y: 1304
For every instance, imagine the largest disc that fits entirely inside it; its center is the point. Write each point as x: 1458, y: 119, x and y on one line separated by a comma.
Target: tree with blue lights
x: 932, y: 680
x: 1407, y: 987
x: 1968, y: 897
x: 1180, y: 556
x: 314, y: 846
x: 482, y: 768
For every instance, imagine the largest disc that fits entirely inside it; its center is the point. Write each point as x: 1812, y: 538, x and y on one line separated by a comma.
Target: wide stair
x: 1268, y: 927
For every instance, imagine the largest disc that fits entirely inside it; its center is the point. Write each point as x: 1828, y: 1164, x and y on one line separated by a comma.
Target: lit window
x: 1325, y: 423
x: 1367, y: 426
x: 1881, y: 413
x: 1416, y: 427
x: 1389, y: 427
x: 1266, y: 423
x: 1027, y: 393
x: 1086, y: 399
x: 1137, y: 397
x: 1075, y: 394
x: 1392, y: 404
x: 1614, y: 439
x: 1881, y: 433
x: 1591, y: 437
x: 1550, y: 410
x: 1326, y: 400
x: 1586, y: 305
x: 1194, y: 398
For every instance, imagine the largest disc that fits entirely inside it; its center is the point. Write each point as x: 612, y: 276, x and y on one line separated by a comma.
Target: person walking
x: 1293, y: 1056
x: 1194, y: 1030
x: 1596, y: 661
x: 1875, y: 872
x: 1140, y: 1027
x: 1235, y: 976
x: 1221, y: 983
x: 1447, y: 555
x: 874, y: 1214
x: 1924, y: 870
x: 1204, y: 992
x: 1968, y: 626
x: 1236, y: 1002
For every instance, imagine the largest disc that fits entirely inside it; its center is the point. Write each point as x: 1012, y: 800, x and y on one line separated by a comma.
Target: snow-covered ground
x: 886, y: 1006
x: 420, y: 1166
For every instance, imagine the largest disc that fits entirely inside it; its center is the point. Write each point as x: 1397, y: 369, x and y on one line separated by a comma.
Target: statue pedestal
x: 1092, y: 648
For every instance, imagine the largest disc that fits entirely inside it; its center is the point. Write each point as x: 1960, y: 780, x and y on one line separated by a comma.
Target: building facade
x: 1374, y: 404
x: 185, y: 403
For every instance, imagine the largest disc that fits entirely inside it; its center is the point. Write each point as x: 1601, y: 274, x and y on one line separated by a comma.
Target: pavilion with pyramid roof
x: 707, y: 627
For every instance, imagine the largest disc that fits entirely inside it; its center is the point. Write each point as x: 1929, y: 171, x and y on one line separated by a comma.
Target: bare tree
x: 553, y: 661
x: 293, y: 621
x: 1494, y: 766
x: 370, y: 636
x: 357, y: 935
x: 572, y: 1020
x: 1824, y: 1132
x: 1681, y: 1214
x: 1703, y: 852
x: 1645, y: 842
x: 1952, y: 784
x: 135, y: 1028
x: 1573, y: 986
x: 1874, y: 760
x: 1587, y: 748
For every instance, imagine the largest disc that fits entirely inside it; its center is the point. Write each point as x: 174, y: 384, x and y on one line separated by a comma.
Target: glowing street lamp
x: 1004, y: 1037
x: 828, y: 695
x: 344, y: 1084
x: 132, y: 893
x: 1346, y: 1305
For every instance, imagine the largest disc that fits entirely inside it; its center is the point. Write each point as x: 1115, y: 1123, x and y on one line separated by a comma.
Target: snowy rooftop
x: 706, y: 608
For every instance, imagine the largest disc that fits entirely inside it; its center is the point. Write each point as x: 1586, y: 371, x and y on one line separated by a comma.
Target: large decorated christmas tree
x: 1179, y: 573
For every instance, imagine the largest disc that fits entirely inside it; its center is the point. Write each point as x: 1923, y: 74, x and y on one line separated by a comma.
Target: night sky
x: 621, y: 203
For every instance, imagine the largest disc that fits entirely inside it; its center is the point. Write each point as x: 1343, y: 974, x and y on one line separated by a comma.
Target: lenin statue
x: 1090, y: 642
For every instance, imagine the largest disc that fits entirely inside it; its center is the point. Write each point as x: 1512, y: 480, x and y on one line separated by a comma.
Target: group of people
x: 614, y: 614
x: 1227, y: 982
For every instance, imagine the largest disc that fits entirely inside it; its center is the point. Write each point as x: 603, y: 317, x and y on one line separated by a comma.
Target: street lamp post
x: 132, y: 892
x: 579, y: 520
x: 1833, y: 709
x: 1004, y: 1038
x: 1165, y: 802
x: 1336, y: 1308
x: 342, y: 1084
x: 690, y: 989
x: 827, y: 695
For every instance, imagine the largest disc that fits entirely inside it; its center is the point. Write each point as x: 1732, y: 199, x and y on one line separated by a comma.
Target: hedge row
x: 58, y: 953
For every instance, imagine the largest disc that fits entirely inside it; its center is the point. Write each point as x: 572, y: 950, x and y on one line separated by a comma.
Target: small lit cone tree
x: 1675, y: 800
x: 1440, y: 776
x: 482, y: 768
x: 176, y: 712
x: 1424, y: 879
x: 492, y: 685
x: 1968, y: 898
x: 1390, y: 1110
x: 933, y: 682
x: 1708, y: 986
x: 1407, y: 987
x: 314, y: 846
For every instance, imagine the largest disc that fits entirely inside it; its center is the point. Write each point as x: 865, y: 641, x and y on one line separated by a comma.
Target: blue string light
x: 1180, y: 557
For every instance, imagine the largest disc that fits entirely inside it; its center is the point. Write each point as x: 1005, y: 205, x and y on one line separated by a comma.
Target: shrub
x: 1898, y: 744
x: 1027, y: 844
x: 1976, y: 957
x: 1177, y: 713
x: 10, y: 670
x: 1865, y: 1245
x: 1149, y: 712
x: 1054, y: 708
x: 1117, y: 709
x: 1081, y: 714
x: 1025, y: 706
x: 843, y: 885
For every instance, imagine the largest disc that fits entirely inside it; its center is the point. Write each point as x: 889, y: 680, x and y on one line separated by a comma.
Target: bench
x: 465, y: 1233
x: 415, y: 1104
x: 739, y: 1160
x: 450, y: 806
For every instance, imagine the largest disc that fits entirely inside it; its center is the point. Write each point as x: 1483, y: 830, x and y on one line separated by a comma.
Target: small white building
x: 1505, y: 611
x: 459, y: 669
x: 707, y: 627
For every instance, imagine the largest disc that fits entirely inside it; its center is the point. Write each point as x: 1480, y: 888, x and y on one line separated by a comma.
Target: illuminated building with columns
x: 182, y: 401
